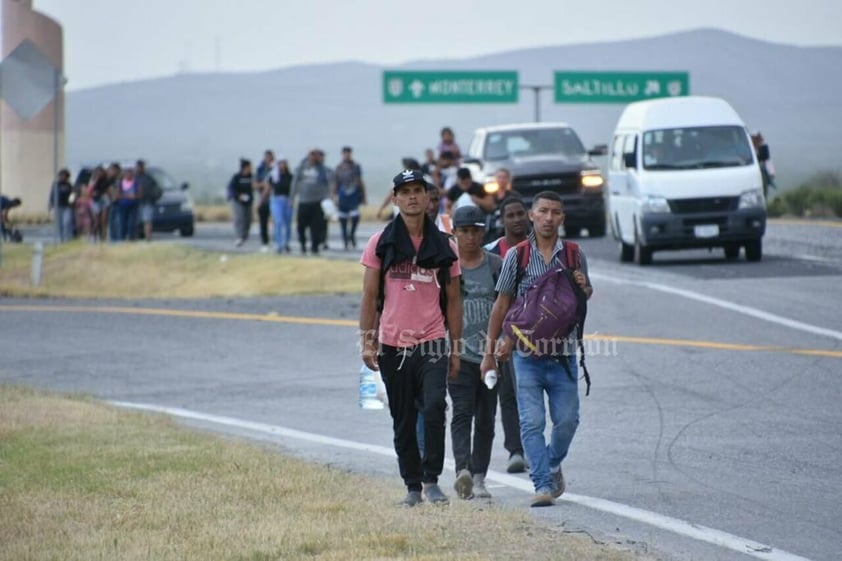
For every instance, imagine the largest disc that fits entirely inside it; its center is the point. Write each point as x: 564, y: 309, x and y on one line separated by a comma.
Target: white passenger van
x: 682, y: 174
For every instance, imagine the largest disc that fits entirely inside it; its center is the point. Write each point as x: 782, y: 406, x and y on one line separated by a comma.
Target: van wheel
x: 732, y: 251
x: 754, y: 250
x: 626, y: 253
x: 642, y: 254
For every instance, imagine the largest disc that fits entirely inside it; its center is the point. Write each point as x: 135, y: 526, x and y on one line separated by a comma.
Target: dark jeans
x: 508, y: 409
x: 409, y: 374
x: 310, y: 216
x: 263, y: 220
x: 472, y: 402
x: 349, y: 238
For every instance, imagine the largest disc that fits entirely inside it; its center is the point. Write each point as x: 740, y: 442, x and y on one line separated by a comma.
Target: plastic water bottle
x: 368, y: 389
x: 491, y: 379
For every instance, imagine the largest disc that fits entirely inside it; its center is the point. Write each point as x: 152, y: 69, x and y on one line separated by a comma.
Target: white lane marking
x: 675, y: 525
x: 734, y: 307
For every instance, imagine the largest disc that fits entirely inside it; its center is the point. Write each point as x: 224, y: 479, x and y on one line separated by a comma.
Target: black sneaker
x: 432, y: 493
x: 516, y: 464
x: 413, y: 498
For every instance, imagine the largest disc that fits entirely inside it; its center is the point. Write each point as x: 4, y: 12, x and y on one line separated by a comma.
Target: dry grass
x: 80, y: 480
x: 164, y: 270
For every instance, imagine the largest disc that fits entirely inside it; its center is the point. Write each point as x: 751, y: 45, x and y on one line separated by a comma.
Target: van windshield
x: 696, y: 147
x: 533, y: 142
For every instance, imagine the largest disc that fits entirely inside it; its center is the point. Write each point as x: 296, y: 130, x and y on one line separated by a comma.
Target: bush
x: 820, y: 195
x: 797, y: 200
x: 776, y: 208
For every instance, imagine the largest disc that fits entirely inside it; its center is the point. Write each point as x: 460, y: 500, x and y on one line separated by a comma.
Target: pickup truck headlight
x: 592, y: 180
x: 654, y: 205
x: 752, y: 199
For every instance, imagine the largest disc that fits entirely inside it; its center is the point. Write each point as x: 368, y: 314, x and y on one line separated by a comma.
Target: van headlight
x: 186, y: 205
x: 752, y: 199
x: 654, y: 205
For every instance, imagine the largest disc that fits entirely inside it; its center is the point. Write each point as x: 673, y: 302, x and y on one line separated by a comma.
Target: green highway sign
x: 450, y: 87
x: 619, y: 87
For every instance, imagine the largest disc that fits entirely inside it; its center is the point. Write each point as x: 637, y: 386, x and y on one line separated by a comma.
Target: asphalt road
x: 715, y: 400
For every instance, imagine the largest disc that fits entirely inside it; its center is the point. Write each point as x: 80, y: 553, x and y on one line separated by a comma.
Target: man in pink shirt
x: 411, y: 329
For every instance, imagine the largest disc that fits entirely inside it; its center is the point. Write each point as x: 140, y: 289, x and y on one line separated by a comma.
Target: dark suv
x: 173, y: 211
x: 545, y: 157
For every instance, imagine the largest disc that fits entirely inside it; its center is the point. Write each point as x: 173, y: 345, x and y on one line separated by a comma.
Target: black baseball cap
x: 463, y: 173
x: 406, y: 177
x: 468, y: 215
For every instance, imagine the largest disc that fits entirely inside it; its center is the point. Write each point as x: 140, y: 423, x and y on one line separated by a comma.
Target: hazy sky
x: 117, y: 40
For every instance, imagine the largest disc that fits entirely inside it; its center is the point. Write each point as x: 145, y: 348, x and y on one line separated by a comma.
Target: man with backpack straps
x: 553, y: 370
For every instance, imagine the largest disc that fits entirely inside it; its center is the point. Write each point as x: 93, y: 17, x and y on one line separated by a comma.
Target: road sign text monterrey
x: 450, y: 87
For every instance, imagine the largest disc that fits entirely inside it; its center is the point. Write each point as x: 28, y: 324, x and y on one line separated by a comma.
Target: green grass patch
x: 81, y: 480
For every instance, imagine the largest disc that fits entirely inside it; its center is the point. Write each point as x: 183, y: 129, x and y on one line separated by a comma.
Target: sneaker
x: 413, y: 498
x: 264, y: 249
x: 239, y: 242
x: 464, y: 485
x: 480, y: 492
x: 432, y: 493
x: 516, y: 463
x: 558, y: 481
x: 543, y: 497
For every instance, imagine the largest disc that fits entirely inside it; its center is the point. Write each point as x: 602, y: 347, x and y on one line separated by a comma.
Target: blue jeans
x: 281, y: 220
x: 535, y: 377
x: 128, y: 221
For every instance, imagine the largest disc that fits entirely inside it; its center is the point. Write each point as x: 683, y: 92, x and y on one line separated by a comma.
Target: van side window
x: 617, y: 152
x: 630, y: 146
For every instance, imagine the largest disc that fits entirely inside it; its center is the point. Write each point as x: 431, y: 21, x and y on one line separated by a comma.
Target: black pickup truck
x: 545, y: 157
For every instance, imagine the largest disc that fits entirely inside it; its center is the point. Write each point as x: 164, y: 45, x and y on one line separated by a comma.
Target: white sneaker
x: 264, y: 249
x: 480, y: 491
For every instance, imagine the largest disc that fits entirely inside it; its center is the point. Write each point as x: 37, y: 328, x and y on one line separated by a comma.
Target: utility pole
x: 537, y: 91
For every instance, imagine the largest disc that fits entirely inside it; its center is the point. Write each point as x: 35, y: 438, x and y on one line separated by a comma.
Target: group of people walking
x: 274, y: 188
x: 108, y: 203
x: 431, y: 321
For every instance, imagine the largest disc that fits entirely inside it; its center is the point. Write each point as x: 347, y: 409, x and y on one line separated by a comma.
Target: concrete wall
x: 26, y: 147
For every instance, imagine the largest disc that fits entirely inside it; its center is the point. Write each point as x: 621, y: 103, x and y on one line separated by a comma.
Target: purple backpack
x: 541, y: 319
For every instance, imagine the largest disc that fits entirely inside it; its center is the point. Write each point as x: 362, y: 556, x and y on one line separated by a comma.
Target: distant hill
x: 198, y: 125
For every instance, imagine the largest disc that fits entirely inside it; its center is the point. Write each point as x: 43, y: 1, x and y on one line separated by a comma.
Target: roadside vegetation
x: 82, y: 480
x: 820, y: 196
x: 168, y: 270
x: 222, y: 213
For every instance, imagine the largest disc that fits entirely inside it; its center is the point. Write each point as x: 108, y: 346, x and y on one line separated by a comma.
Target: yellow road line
x: 714, y: 345
x: 274, y: 318
x: 806, y: 222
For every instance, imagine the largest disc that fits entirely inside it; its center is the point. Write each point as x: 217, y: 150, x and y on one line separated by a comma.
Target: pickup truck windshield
x: 502, y: 145
x: 696, y: 148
